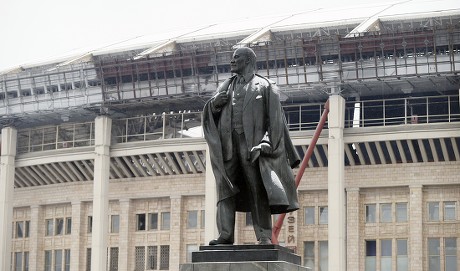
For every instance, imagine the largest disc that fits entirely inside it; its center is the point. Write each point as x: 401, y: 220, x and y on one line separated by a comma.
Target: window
x: 309, y: 213
x: 26, y: 229
x: 401, y: 212
x: 371, y: 253
x: 113, y: 259
x: 59, y: 226
x: 309, y: 254
x: 190, y: 249
x: 323, y: 256
x: 370, y: 213
x: 58, y: 260
x: 48, y: 260
x: 192, y: 219
x: 114, y: 223
x: 203, y: 216
x: 450, y: 250
x: 385, y: 255
x: 18, y: 261
x: 434, y: 258
x: 49, y: 227
x: 323, y: 213
x: 249, y: 219
x: 449, y: 210
x: 385, y: 213
x: 68, y: 225
x: 140, y: 220
x: 164, y: 257
x: 153, y: 221
x: 401, y: 255
x: 90, y: 224
x: 19, y: 229
x: 26, y: 261
x: 67, y: 260
x: 139, y: 259
x: 433, y: 211
x: 152, y: 258
x: 165, y: 220
x: 88, y: 259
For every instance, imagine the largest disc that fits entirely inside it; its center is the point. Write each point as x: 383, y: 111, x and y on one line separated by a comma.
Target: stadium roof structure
x: 98, y: 77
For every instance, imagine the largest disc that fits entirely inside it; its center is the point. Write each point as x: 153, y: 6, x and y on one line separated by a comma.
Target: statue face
x: 239, y: 62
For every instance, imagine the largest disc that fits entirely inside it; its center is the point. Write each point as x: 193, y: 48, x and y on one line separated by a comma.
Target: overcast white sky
x: 33, y: 30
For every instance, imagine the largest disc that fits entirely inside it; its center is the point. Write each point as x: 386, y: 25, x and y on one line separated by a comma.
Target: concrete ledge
x: 243, y: 266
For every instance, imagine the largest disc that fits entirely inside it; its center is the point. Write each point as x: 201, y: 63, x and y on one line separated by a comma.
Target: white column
x: 124, y: 244
x: 76, y: 234
x: 8, y: 154
x: 210, y: 229
x: 35, y: 237
x: 103, y: 125
x: 336, y: 186
x: 175, y: 236
x: 415, y: 242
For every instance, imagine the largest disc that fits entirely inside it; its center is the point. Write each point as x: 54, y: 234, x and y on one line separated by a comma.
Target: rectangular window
x: 323, y: 215
x: 309, y: 213
x: 401, y: 212
x: 190, y: 249
x: 402, y: 263
x: 26, y: 261
x: 18, y: 261
x: 202, y: 221
x: 165, y: 220
x: 449, y: 210
x: 59, y: 226
x: 88, y: 259
x: 68, y: 225
x: 152, y: 258
x: 67, y: 260
x: 113, y: 259
x: 27, y: 229
x: 385, y: 213
x: 153, y: 221
x: 139, y: 259
x: 371, y: 253
x: 115, y: 224
x: 248, y: 219
x: 309, y: 254
x: 323, y: 256
x: 48, y: 260
x: 49, y: 227
x: 19, y: 229
x: 370, y: 213
x: 450, y: 250
x: 140, y: 220
x: 433, y: 211
x: 385, y: 255
x: 434, y: 258
x: 164, y: 257
x: 58, y: 260
x: 192, y: 219
x: 90, y: 224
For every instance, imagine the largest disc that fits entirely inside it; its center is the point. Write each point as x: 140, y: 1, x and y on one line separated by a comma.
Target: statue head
x: 243, y: 61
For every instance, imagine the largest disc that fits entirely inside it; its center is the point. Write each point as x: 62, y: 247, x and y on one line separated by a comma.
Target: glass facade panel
x: 370, y: 213
x: 401, y: 212
x: 309, y: 213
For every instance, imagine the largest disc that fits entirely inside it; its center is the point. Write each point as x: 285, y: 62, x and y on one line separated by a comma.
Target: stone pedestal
x: 244, y: 258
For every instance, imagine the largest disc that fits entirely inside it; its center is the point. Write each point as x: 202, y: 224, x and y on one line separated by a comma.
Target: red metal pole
x: 303, y: 165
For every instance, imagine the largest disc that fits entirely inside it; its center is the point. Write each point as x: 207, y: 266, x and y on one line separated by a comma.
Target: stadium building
x: 103, y: 162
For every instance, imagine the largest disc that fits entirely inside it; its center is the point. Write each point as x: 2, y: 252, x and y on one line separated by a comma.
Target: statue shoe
x: 265, y: 241
x: 220, y: 241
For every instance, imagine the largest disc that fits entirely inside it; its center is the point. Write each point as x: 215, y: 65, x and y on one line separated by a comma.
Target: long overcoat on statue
x: 263, y: 120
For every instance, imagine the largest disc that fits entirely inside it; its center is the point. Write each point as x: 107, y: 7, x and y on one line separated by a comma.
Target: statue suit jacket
x: 263, y: 120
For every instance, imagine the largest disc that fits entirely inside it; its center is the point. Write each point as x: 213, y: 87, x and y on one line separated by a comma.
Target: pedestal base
x: 244, y: 258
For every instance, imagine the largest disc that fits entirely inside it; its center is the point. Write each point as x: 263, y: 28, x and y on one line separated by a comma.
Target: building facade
x: 103, y: 162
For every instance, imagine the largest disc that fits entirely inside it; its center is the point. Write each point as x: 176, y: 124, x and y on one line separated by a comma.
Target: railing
x: 403, y: 111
